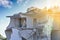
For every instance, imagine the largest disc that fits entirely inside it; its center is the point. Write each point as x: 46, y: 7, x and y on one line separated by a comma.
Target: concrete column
x: 8, y: 33
x: 15, y: 35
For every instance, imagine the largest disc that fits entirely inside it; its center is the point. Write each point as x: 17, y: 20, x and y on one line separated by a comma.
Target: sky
x: 10, y: 7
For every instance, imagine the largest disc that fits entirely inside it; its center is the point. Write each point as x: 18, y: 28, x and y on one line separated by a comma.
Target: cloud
x: 5, y: 3
x: 19, y: 1
x: 24, y: 2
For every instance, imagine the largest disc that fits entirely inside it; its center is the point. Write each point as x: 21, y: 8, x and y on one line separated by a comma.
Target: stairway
x: 26, y: 33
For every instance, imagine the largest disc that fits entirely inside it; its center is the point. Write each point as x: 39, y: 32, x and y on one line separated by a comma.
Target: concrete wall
x: 55, y: 35
x: 15, y: 35
x: 8, y: 34
x: 29, y: 22
x: 12, y: 23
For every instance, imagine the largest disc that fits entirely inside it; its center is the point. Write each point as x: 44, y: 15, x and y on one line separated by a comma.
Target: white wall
x: 29, y: 22
x: 15, y: 35
x: 8, y: 34
x: 11, y: 24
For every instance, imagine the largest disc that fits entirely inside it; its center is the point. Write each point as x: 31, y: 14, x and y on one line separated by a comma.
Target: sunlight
x: 52, y: 3
x: 55, y: 14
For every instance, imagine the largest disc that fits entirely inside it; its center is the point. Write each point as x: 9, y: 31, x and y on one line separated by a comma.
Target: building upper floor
x: 34, y: 18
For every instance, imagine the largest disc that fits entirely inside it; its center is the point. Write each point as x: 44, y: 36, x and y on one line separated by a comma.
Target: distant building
x: 35, y: 24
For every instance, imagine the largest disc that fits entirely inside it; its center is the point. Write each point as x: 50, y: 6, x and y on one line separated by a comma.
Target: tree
x: 2, y: 38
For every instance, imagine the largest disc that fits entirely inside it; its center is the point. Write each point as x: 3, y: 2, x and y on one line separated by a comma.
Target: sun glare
x: 55, y: 14
x: 52, y: 3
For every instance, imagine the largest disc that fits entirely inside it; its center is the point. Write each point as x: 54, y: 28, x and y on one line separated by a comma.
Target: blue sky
x: 10, y: 7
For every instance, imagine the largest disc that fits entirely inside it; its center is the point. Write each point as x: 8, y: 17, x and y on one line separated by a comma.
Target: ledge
x: 8, y: 30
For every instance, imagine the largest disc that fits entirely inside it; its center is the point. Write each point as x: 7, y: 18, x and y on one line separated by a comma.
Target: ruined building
x: 35, y: 24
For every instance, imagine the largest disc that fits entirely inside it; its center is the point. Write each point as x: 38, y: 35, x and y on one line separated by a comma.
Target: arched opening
x: 22, y: 22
